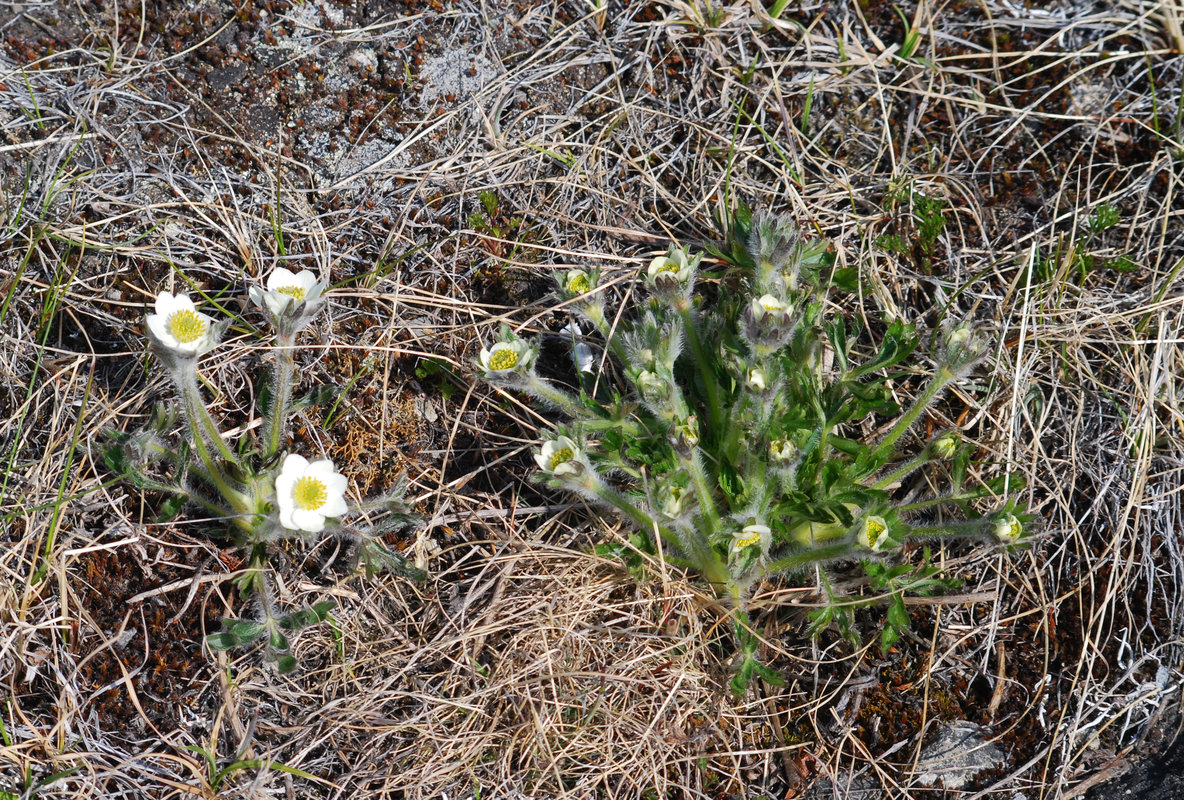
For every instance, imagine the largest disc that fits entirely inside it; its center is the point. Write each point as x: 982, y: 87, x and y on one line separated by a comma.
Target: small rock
x: 960, y: 751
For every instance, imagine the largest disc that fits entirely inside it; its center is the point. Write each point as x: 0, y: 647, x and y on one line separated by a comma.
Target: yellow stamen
x: 186, y: 326
x: 309, y: 494
x: 505, y: 358
x: 561, y: 456
x: 293, y: 291
x: 579, y: 284
x: 874, y: 529
x: 748, y: 541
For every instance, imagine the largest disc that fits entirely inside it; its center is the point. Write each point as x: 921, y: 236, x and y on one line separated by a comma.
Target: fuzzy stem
x: 714, y: 404
x: 203, y: 432
x: 922, y: 402
x: 200, y: 423
x: 281, y: 392
x: 702, y: 557
x: 938, y: 501
x: 904, y: 470
x: 815, y: 555
x: 537, y: 387
x: 956, y: 530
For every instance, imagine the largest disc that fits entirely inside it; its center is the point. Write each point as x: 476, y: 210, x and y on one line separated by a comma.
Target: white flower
x: 946, y: 445
x: 178, y: 326
x: 650, y: 384
x: 581, y: 353
x: 308, y: 492
x: 559, y: 457
x: 674, y: 263
x: 752, y: 535
x: 1008, y: 529
x: 506, y: 357
x: 783, y: 450
x: 874, y: 535
x: 676, y: 501
x: 756, y: 379
x: 767, y: 304
x: 577, y: 282
x: 287, y: 290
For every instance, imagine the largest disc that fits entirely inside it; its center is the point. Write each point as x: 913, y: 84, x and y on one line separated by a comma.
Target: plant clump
x: 256, y: 495
x: 727, y: 442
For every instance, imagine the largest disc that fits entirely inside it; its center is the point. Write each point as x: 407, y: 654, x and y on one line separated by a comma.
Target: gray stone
x: 960, y: 751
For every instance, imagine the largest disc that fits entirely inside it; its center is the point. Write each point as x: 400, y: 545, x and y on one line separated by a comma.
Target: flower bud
x: 675, y: 501
x: 767, y: 322
x: 946, y: 445
x: 756, y: 380
x: 560, y: 457
x: 685, y: 434
x: 1008, y: 529
x: 783, y: 450
x: 875, y: 535
x: 672, y: 276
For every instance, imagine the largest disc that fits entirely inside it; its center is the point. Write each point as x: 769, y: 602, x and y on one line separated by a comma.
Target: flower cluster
x: 729, y: 437
x: 259, y: 496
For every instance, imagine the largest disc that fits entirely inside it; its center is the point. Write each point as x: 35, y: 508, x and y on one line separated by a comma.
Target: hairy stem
x: 943, y: 377
x: 281, y: 393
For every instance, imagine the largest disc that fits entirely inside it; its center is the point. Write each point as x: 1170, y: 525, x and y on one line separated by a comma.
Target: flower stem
x: 281, y: 392
x: 537, y: 387
x: 815, y: 555
x: 922, y: 402
x: 715, y: 408
x: 701, y: 555
x: 956, y: 530
x: 903, y: 471
x: 200, y: 423
x: 203, y: 432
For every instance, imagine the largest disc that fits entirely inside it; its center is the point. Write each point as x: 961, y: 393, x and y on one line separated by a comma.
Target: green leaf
x: 222, y: 641
x: 279, y: 642
x: 171, y: 507
x: 244, y: 629
x: 286, y: 664
x: 898, y: 615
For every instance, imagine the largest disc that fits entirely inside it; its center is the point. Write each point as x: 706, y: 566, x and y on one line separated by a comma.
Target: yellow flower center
x: 748, y: 541
x: 1015, y: 530
x: 296, y: 292
x: 309, y: 494
x: 579, y: 284
x: 505, y: 358
x: 874, y: 529
x: 561, y: 456
x: 186, y: 326
x: 669, y: 266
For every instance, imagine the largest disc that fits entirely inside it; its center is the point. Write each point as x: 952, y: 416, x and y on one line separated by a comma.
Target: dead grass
x: 142, y: 148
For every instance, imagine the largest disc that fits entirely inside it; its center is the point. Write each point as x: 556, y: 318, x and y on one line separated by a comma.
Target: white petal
x: 156, y: 324
x: 286, y: 511
x: 305, y: 279
x: 277, y: 302
x: 321, y: 468
x: 294, y: 465
x: 165, y: 304
x: 311, y: 521
x: 334, y: 506
x: 181, y: 302
x: 335, y: 484
x: 280, y: 277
